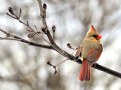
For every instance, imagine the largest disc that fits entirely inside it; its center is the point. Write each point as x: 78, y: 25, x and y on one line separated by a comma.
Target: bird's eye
x: 95, y: 36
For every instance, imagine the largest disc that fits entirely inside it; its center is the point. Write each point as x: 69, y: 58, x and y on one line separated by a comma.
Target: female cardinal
x: 89, y: 51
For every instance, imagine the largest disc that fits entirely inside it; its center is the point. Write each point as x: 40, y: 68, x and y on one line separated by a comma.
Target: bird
x: 89, y: 52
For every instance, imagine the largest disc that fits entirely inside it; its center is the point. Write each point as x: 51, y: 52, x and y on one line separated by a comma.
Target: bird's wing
x: 94, y: 54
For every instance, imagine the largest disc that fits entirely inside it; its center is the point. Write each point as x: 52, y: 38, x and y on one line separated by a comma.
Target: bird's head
x: 93, y: 33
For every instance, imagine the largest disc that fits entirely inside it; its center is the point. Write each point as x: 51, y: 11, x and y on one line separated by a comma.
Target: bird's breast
x: 90, y: 49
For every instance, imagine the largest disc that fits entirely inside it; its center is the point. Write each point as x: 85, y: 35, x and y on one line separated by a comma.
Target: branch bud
x: 31, y: 35
x: 53, y: 28
x: 49, y: 63
x: 43, y: 29
x: 69, y: 45
x: 10, y: 10
x: 44, y: 6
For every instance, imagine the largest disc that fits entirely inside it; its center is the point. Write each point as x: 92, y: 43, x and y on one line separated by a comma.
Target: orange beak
x: 99, y: 36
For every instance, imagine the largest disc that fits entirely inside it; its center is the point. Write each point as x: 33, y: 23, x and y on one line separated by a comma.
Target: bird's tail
x: 85, y: 71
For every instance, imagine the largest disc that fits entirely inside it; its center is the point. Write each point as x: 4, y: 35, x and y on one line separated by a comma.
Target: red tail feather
x: 85, y: 71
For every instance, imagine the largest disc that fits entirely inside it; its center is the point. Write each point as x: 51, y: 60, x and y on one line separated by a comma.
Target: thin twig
x: 33, y: 33
x: 18, y: 18
x: 53, y: 30
x: 17, y: 38
x: 61, y: 62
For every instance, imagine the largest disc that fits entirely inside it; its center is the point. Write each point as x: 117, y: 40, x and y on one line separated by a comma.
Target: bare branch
x: 55, y: 66
x: 17, y: 38
x: 64, y: 53
x: 20, y: 12
x: 42, y: 14
x: 47, y: 32
x: 31, y: 30
x: 52, y: 45
x: 18, y: 19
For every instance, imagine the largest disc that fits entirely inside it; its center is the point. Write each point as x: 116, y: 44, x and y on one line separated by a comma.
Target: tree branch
x: 107, y: 70
x: 47, y: 32
x: 64, y: 53
x: 102, y: 68
x: 17, y: 38
x: 52, y: 45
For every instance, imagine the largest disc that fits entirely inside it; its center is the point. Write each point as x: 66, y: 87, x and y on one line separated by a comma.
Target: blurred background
x: 23, y: 67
